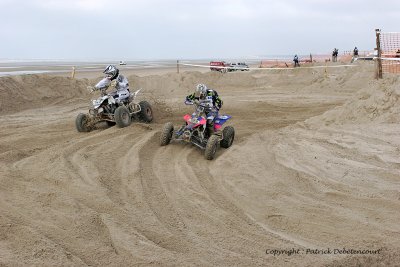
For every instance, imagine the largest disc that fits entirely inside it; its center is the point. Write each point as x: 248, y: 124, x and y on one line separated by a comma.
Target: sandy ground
x: 314, y: 169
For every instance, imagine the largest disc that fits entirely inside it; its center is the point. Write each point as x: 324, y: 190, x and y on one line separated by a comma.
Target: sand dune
x: 315, y: 165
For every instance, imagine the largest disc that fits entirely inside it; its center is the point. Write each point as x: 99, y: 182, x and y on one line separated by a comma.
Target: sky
x: 189, y: 29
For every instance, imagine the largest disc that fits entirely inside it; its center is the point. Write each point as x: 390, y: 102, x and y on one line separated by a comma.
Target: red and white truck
x: 219, y: 66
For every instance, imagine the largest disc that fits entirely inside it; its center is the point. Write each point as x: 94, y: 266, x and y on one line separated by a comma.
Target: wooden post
x: 177, y: 66
x: 73, y: 72
x: 378, y: 72
x: 311, y: 57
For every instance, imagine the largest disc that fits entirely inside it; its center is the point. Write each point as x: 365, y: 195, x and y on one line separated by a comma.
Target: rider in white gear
x: 122, y: 92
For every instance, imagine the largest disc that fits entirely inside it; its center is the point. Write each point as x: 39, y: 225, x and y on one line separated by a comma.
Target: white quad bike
x: 106, y: 108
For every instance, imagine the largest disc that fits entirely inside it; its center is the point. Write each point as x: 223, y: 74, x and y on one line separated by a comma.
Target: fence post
x: 378, y: 72
x: 73, y: 72
x: 177, y: 66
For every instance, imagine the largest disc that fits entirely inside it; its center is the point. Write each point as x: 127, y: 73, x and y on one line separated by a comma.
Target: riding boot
x: 210, y: 130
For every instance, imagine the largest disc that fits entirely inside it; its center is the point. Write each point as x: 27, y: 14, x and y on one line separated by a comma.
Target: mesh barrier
x: 390, y: 51
x: 390, y: 43
x: 281, y: 63
x: 390, y: 66
x: 305, y: 60
x: 276, y: 63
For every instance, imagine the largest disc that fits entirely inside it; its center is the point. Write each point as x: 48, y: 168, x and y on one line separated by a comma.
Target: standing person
x: 355, y: 52
x: 210, y: 100
x: 121, y: 93
x: 296, y: 61
x: 335, y: 54
x: 398, y: 53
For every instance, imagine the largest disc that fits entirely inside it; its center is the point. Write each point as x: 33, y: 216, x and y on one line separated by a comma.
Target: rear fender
x: 217, y: 127
x: 220, y: 120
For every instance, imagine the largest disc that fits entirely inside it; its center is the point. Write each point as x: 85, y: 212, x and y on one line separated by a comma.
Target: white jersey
x: 121, y: 85
x: 207, y: 102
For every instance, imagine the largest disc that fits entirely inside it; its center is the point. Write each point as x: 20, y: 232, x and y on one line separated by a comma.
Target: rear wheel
x: 228, y: 135
x: 122, y: 117
x: 211, y: 147
x: 146, y: 113
x: 81, y: 123
x: 166, y: 134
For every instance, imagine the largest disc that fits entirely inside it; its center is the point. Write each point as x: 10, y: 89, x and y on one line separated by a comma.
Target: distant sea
x: 10, y: 67
x: 19, y: 67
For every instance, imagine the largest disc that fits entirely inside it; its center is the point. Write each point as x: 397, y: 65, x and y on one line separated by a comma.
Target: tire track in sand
x: 191, y: 207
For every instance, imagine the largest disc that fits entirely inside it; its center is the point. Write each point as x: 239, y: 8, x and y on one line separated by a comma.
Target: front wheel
x: 166, y: 134
x: 228, y: 135
x: 211, y: 147
x: 146, y: 113
x: 81, y: 123
x: 122, y: 117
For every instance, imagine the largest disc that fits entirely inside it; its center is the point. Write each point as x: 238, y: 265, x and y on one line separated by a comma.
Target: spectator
x: 398, y: 53
x: 335, y: 54
x: 355, y: 51
x: 296, y: 61
x: 355, y: 54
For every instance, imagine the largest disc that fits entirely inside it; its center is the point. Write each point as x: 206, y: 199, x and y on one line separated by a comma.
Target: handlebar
x: 196, y: 103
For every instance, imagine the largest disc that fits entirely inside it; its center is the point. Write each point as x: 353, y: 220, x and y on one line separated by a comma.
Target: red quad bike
x: 194, y: 131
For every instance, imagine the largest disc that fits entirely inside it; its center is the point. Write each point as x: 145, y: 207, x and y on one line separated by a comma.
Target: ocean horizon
x: 9, y: 67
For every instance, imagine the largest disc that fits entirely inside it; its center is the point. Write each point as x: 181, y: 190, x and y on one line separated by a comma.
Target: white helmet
x: 201, y: 90
x: 111, y: 71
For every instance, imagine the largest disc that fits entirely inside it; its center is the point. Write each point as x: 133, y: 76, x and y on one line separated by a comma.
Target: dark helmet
x: 111, y: 71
